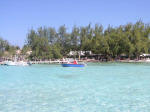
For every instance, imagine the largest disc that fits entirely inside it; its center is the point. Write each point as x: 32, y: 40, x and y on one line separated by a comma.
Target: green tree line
x: 130, y: 40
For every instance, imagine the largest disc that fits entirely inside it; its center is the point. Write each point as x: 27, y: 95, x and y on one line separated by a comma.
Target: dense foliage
x: 130, y: 40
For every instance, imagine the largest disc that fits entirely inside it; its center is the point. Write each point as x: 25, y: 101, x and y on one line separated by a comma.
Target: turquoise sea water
x: 103, y: 87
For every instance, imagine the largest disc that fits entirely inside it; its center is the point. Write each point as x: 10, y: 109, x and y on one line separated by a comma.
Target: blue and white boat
x: 74, y: 64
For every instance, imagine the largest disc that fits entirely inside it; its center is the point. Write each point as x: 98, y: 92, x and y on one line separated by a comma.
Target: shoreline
x: 85, y: 61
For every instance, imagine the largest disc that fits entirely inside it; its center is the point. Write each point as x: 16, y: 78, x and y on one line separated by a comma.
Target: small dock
x: 47, y: 62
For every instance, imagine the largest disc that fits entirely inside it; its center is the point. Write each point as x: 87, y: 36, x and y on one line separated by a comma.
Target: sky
x: 17, y: 17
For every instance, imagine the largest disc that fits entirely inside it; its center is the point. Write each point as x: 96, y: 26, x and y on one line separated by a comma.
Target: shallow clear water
x: 103, y: 87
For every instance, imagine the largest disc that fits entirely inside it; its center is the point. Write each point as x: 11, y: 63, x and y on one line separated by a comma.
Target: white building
x: 81, y: 53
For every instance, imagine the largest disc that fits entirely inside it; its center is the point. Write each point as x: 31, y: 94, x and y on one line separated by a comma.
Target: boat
x: 16, y: 63
x: 10, y: 63
x: 74, y: 64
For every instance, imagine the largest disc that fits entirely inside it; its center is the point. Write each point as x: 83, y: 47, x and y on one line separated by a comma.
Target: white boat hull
x: 19, y: 63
